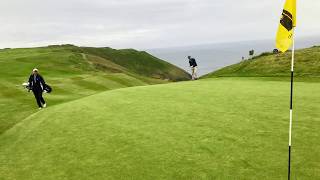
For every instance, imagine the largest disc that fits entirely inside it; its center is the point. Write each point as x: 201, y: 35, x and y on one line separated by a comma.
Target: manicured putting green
x: 227, y: 128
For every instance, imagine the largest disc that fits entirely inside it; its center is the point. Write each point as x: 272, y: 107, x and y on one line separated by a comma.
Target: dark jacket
x: 36, y: 82
x: 193, y: 62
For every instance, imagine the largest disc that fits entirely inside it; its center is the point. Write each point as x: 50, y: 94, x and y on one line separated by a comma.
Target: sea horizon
x: 213, y: 56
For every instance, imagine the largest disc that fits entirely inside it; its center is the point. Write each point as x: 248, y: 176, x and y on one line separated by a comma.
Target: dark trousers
x: 38, y: 95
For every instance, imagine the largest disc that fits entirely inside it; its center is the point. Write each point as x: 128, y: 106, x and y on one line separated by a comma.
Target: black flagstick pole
x: 291, y: 108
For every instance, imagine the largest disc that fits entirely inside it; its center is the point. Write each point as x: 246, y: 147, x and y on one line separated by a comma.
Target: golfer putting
x: 37, y: 85
x: 194, y: 67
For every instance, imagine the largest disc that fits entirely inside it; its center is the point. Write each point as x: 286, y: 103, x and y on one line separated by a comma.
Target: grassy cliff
x: 307, y: 64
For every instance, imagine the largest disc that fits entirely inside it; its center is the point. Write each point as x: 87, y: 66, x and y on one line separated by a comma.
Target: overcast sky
x: 146, y: 24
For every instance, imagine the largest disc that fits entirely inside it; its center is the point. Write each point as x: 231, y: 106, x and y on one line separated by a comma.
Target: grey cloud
x: 145, y: 23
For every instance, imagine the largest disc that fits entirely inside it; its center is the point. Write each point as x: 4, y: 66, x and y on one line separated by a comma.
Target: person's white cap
x: 35, y: 70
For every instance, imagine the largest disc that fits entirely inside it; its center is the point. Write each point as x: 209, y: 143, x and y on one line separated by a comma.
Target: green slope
x: 140, y: 63
x: 227, y: 128
x: 73, y: 72
x: 307, y: 64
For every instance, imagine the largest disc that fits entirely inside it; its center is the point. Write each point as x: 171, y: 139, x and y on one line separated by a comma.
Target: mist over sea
x: 211, y: 57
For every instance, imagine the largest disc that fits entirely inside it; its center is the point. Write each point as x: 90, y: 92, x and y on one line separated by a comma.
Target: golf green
x: 220, y: 128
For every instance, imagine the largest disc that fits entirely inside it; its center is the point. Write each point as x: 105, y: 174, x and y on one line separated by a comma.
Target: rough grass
x: 307, y: 64
x: 227, y: 128
x: 140, y: 63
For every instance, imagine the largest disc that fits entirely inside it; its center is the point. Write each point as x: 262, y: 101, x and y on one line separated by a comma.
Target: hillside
x: 140, y: 63
x: 74, y: 72
x: 307, y: 64
x: 224, y: 128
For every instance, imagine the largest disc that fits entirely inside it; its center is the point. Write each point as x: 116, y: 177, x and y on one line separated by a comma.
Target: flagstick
x: 291, y: 108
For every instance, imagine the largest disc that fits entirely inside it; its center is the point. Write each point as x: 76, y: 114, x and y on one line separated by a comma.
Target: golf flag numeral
x: 286, y: 20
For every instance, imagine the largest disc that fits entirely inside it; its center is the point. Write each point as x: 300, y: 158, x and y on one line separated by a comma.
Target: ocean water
x: 211, y: 57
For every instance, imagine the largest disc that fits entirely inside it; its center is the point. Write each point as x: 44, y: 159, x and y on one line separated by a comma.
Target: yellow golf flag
x: 286, y: 26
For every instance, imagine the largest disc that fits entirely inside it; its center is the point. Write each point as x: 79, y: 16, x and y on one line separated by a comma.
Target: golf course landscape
x: 124, y: 114
x: 74, y: 72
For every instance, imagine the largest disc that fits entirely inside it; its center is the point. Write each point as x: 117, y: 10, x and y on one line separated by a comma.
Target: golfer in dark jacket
x: 36, y: 84
x: 194, y: 67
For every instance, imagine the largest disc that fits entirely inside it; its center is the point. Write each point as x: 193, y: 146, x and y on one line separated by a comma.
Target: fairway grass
x: 220, y: 128
x: 73, y: 72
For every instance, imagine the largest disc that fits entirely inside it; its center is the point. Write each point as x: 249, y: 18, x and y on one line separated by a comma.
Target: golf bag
x: 47, y: 88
